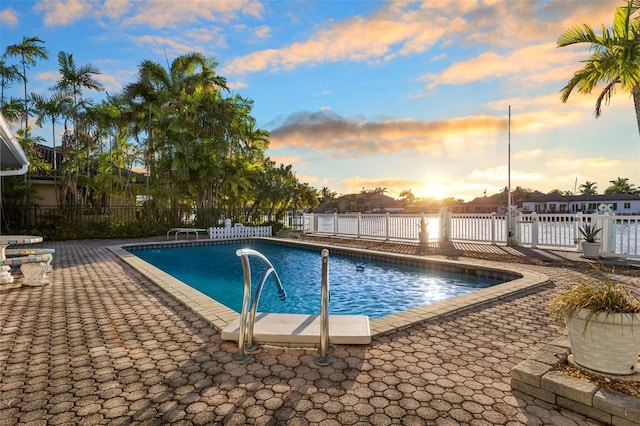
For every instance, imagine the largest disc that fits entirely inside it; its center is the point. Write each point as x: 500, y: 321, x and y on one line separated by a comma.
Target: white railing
x: 486, y: 228
x: 384, y: 226
x: 620, y: 236
x: 239, y: 231
x: 549, y: 230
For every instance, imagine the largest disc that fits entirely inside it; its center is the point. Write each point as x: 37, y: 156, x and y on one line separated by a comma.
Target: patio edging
x: 537, y: 377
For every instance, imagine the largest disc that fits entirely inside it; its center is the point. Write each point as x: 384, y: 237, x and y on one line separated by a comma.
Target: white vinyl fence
x: 239, y: 231
x: 620, y: 236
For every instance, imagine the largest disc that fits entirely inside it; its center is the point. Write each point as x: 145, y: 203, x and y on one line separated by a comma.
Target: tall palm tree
x: 29, y: 51
x: 73, y: 80
x: 588, y: 188
x: 50, y: 109
x: 172, y: 106
x: 615, y: 59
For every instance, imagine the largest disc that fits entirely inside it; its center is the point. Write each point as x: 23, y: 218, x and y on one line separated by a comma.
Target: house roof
x: 545, y: 198
x: 603, y: 197
x: 13, y: 160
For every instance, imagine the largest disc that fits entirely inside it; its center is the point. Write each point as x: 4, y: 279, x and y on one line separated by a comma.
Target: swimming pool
x: 381, y: 288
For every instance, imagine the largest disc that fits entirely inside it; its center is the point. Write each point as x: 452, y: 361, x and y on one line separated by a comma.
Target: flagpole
x: 509, y: 216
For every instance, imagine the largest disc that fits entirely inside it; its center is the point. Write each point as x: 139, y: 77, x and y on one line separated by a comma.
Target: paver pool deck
x: 101, y: 344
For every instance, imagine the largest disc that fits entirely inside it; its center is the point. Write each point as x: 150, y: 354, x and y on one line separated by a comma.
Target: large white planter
x: 590, y: 249
x: 605, y: 343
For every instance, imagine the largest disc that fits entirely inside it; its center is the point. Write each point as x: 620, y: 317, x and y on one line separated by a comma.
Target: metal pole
x: 509, y: 218
x: 324, y: 312
x: 241, y: 357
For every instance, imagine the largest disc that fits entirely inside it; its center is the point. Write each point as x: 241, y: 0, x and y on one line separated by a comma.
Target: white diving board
x: 304, y: 330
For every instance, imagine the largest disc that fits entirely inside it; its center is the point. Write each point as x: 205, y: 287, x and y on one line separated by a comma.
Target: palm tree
x: 588, y: 188
x: 621, y: 186
x: 73, y: 80
x: 615, y: 60
x: 50, y: 109
x: 29, y: 50
x: 8, y: 74
x: 176, y: 108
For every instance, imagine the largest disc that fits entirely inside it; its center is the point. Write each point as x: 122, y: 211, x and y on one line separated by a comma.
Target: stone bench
x: 34, y: 267
x: 31, y: 252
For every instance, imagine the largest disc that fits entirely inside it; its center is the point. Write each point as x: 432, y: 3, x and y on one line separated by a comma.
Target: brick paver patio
x: 103, y: 345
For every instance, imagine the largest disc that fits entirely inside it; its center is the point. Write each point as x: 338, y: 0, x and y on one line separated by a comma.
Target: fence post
x: 306, y: 219
x: 577, y: 225
x: 335, y: 224
x: 534, y: 229
x: 516, y: 218
x: 445, y: 225
x: 358, y: 221
x: 387, y: 225
x: 607, y: 242
x: 493, y: 228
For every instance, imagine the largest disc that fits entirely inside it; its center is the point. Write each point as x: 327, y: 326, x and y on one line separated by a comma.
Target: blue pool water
x: 377, y: 290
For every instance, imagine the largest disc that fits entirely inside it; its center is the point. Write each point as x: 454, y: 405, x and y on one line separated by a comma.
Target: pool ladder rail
x: 248, y: 314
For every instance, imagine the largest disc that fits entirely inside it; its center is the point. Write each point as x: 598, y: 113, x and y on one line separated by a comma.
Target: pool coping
x: 219, y: 316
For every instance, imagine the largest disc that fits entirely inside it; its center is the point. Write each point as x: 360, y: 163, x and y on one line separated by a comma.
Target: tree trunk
x: 636, y: 103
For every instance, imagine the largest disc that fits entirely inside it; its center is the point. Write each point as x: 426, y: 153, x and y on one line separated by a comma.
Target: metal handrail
x: 248, y: 315
x: 324, y: 312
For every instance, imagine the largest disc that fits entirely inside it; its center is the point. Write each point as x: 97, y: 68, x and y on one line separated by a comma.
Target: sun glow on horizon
x: 434, y: 190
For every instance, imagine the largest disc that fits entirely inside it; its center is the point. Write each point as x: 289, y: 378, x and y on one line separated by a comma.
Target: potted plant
x: 603, y: 324
x: 589, y: 232
x: 423, y: 234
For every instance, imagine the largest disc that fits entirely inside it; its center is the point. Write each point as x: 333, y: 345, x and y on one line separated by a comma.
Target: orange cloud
x: 356, y: 39
x: 325, y: 131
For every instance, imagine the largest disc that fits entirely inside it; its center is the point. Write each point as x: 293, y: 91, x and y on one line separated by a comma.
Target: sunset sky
x: 365, y: 94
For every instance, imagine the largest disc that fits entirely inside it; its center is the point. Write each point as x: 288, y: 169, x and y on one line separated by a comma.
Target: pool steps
x: 248, y: 314
x: 297, y: 329
x: 304, y: 330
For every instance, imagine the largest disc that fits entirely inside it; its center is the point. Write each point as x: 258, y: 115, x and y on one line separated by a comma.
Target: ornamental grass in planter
x: 603, y: 324
x: 589, y: 232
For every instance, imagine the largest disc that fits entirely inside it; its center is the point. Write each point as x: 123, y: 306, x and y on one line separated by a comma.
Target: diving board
x: 304, y: 330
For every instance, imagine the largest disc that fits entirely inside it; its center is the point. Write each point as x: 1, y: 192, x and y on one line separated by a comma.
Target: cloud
x: 160, y: 44
x: 528, y: 155
x: 407, y: 28
x: 115, y: 9
x: 499, y: 174
x: 530, y: 65
x: 586, y: 163
x: 9, y: 17
x: 326, y: 131
x: 356, y: 39
x: 180, y: 13
x: 64, y: 12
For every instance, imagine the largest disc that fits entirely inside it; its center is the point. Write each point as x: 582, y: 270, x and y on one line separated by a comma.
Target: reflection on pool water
x: 358, y: 286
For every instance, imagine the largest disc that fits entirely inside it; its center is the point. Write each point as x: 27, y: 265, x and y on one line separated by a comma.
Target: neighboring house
x: 46, y: 186
x: 368, y: 203
x: 493, y: 203
x: 553, y: 203
x: 496, y: 203
x: 546, y: 203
